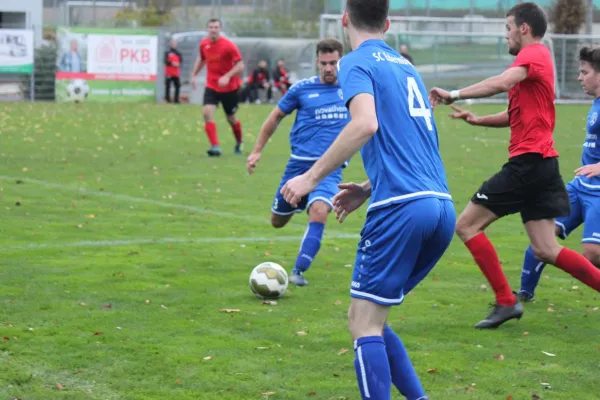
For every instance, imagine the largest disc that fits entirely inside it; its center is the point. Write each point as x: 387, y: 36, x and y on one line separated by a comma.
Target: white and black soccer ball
x: 268, y: 281
x: 77, y: 90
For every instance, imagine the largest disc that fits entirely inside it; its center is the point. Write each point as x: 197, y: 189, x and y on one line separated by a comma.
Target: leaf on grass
x: 108, y: 306
x: 575, y: 288
x: 267, y: 394
x: 230, y: 310
x: 525, y: 333
x: 301, y: 333
x: 270, y: 303
x: 535, y: 397
x: 342, y: 351
x: 432, y: 371
x: 499, y: 356
x: 312, y: 393
x: 549, y: 354
x: 208, y: 358
x: 595, y: 309
x: 262, y: 348
x: 60, y: 386
x: 338, y: 302
x: 79, y: 371
x: 164, y: 307
x: 267, y: 253
x: 97, y: 333
x: 509, y: 397
x: 178, y: 381
x: 5, y: 339
x: 550, y: 309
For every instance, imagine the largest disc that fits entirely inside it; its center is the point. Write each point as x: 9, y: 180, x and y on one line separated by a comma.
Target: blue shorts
x: 325, y: 192
x: 399, y: 246
x: 585, y: 209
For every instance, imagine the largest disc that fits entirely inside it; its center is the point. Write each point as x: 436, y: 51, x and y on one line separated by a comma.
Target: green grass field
x: 122, y: 242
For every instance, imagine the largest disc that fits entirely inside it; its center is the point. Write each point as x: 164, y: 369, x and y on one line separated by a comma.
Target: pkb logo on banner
x: 123, y: 54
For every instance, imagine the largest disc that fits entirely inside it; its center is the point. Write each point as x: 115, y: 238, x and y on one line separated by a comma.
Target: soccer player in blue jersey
x: 584, y: 189
x: 321, y: 115
x: 410, y: 218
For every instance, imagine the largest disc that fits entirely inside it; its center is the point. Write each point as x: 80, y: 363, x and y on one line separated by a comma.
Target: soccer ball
x: 77, y: 90
x: 268, y: 280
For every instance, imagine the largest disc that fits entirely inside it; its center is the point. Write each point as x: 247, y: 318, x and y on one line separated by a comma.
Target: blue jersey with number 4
x: 402, y: 159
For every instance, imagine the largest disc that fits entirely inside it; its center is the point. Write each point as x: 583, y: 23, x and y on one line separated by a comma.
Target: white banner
x: 16, y: 51
x: 122, y: 54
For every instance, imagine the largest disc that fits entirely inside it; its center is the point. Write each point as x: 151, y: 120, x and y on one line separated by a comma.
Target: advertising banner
x: 106, y: 65
x: 16, y: 51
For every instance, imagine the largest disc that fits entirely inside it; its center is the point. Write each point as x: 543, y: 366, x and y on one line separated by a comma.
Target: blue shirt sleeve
x: 289, y: 102
x: 354, y: 79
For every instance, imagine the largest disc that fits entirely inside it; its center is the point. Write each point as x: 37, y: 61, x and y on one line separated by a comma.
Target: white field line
x: 137, y: 242
x: 141, y: 200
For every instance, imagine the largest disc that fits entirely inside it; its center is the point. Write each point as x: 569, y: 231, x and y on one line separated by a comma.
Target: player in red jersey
x: 530, y: 182
x: 223, y: 65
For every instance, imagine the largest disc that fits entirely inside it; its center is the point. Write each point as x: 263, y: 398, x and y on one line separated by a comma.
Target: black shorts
x: 228, y: 99
x: 528, y: 184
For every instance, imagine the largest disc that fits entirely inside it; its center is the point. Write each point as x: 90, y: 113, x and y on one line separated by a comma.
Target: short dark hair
x: 592, y: 56
x: 330, y: 45
x: 532, y: 15
x: 214, y: 20
x: 368, y: 15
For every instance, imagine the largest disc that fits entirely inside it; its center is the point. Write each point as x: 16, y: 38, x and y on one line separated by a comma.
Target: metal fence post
x: 563, y: 65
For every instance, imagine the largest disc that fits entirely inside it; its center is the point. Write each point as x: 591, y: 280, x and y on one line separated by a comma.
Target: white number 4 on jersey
x: 422, y: 111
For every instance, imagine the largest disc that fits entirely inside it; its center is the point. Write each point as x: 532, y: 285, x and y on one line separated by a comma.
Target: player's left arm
x: 238, y: 66
x: 497, y: 84
x: 354, y: 136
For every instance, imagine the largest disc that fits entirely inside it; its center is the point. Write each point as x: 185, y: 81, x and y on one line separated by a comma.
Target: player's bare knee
x: 546, y: 253
x: 366, y: 318
x: 231, y: 119
x: 279, y: 221
x: 464, y: 229
x: 592, y: 253
x: 319, y: 211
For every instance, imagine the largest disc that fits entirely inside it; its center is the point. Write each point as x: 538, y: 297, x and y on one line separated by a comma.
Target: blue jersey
x: 321, y: 116
x: 591, y: 150
x: 402, y: 159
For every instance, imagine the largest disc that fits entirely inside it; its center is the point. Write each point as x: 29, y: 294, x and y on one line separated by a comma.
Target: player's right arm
x: 198, y: 65
x: 288, y: 103
x: 499, y: 120
x: 266, y: 131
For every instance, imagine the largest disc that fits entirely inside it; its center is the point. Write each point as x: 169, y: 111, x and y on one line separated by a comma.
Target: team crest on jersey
x: 341, y: 94
x: 593, y: 118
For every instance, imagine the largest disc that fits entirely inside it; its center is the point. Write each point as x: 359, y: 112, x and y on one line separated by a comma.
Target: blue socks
x: 403, y: 373
x: 372, y: 368
x: 532, y: 271
x: 311, y: 243
x: 382, y: 360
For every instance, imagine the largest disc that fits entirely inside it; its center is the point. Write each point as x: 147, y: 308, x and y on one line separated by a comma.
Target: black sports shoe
x: 238, y: 148
x: 500, y: 315
x: 523, y: 296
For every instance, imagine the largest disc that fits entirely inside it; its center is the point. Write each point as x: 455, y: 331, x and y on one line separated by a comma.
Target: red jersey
x: 220, y: 57
x: 531, y: 109
x: 170, y: 69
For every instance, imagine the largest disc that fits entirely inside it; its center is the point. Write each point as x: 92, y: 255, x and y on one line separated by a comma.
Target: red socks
x: 486, y: 257
x: 579, y: 267
x: 237, y: 131
x: 211, y: 132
